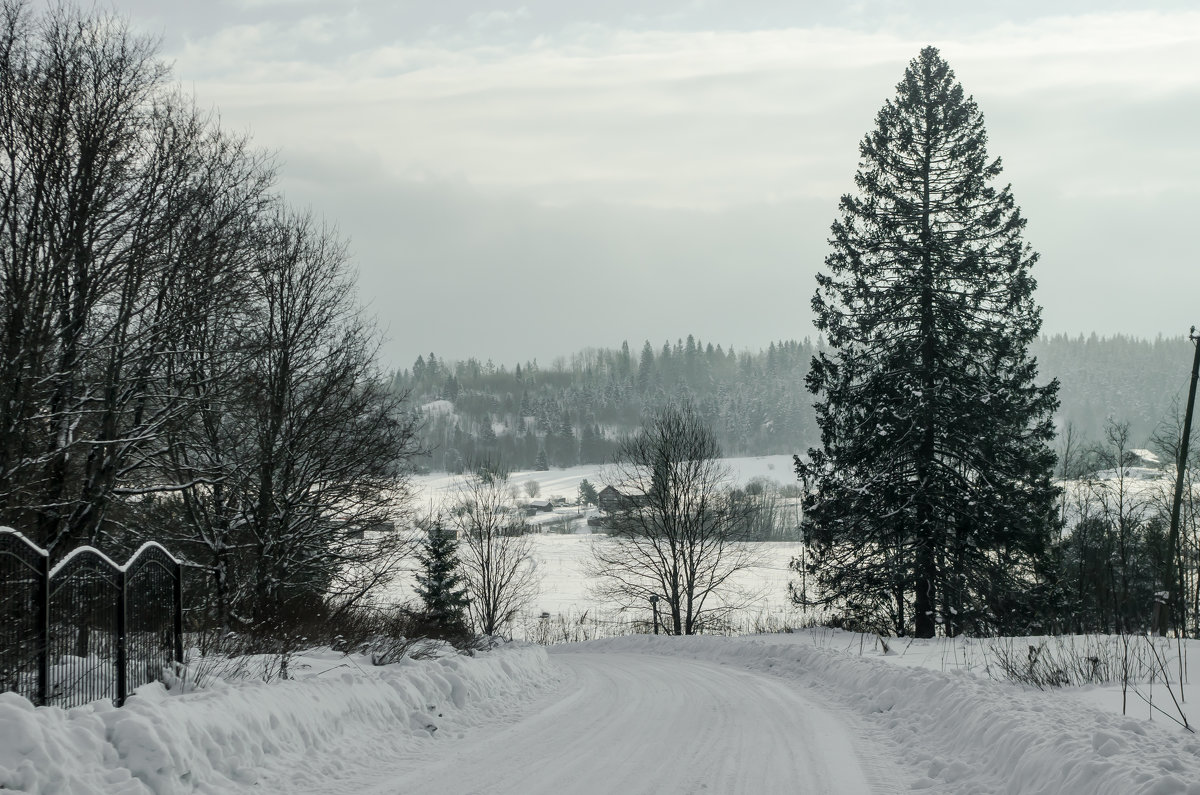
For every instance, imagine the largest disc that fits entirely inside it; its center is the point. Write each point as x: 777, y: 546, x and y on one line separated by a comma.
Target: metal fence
x: 88, y: 628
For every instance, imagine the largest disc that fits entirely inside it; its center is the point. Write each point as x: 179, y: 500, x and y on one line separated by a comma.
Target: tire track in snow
x: 641, y: 723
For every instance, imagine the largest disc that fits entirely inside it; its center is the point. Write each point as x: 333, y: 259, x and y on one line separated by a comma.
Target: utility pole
x: 1180, y: 467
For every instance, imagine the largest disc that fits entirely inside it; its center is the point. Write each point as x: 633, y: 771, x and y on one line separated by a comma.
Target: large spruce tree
x: 929, y: 501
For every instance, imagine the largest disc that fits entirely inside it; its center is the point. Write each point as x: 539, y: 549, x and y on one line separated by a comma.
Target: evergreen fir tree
x: 440, y: 586
x: 487, y: 433
x: 564, y: 448
x: 529, y: 455
x: 591, y: 445
x: 930, y: 499
x: 645, y: 367
x: 624, y: 360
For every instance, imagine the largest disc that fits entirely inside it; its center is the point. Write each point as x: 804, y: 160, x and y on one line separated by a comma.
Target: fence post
x: 121, y: 661
x: 178, y: 596
x: 42, y: 617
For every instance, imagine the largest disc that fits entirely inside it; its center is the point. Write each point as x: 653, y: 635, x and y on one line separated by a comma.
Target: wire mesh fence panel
x: 85, y: 627
x: 22, y: 615
x: 150, y: 623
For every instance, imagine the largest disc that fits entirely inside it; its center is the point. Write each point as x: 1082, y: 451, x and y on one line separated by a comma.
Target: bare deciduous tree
x: 312, y: 443
x: 118, y: 202
x: 678, y: 535
x: 180, y: 356
x: 495, y: 550
x: 1126, y: 514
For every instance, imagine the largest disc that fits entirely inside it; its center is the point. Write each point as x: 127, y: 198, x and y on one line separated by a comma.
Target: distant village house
x: 610, y: 500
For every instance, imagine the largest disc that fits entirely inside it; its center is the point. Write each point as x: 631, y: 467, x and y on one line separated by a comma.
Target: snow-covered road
x: 813, y: 711
x: 642, y: 723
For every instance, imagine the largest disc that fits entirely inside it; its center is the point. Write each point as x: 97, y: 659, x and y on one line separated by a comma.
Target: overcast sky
x: 522, y: 181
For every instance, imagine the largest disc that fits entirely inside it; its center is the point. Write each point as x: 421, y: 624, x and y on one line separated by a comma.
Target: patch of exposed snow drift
x: 333, y: 717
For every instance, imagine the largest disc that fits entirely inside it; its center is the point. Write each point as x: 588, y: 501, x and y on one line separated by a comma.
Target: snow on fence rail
x: 88, y: 628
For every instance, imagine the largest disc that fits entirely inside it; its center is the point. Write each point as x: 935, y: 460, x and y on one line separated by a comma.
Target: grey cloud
x: 450, y: 269
x: 555, y: 235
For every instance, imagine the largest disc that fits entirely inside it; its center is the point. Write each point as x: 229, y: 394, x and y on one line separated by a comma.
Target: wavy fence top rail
x: 87, y: 628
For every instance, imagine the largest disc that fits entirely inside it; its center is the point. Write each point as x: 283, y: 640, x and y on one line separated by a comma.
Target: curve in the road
x: 635, y: 723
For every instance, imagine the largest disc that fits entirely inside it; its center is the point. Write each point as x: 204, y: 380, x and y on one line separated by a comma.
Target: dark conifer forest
x: 573, y: 409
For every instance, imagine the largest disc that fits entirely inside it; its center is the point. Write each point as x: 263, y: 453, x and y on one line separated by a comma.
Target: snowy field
x: 561, y: 550
x: 561, y: 561
x: 438, y: 487
x: 813, y: 711
x: 565, y: 590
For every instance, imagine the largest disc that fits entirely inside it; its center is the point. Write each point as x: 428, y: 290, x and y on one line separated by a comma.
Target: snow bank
x: 228, y: 737
x: 959, y: 733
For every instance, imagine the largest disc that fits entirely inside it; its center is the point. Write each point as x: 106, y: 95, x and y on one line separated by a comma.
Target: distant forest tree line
x: 575, y: 410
